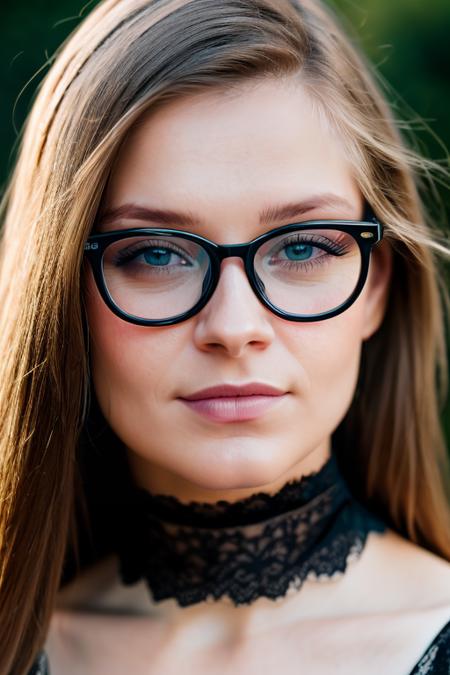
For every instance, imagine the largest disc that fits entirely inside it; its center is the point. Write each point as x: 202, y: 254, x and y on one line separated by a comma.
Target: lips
x: 233, y: 391
x: 234, y: 403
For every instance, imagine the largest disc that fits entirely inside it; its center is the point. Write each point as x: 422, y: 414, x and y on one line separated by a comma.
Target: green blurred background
x: 407, y: 40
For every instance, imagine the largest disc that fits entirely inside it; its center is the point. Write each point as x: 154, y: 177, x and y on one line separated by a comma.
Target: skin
x: 225, y: 157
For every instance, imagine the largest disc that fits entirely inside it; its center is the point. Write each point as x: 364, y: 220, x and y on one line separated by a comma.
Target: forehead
x: 232, y: 154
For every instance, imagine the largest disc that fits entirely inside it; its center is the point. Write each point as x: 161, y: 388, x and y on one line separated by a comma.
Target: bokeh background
x: 407, y: 41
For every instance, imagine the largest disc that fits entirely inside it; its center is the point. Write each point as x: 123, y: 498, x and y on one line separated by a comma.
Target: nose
x: 233, y: 319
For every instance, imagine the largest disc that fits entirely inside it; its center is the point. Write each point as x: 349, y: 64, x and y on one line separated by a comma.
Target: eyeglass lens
x: 302, y: 272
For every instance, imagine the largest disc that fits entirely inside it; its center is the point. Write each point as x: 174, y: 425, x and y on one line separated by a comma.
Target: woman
x: 223, y: 357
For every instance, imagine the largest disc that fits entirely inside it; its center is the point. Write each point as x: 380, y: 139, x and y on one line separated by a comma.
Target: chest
x: 390, y: 645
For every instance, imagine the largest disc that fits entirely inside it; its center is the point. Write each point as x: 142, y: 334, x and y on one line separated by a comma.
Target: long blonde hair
x: 126, y: 57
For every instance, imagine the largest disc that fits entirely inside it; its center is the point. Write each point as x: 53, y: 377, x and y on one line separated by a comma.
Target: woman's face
x: 223, y: 158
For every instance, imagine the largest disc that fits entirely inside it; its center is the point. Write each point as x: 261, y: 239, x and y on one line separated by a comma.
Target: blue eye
x: 298, y: 252
x: 153, y: 255
x: 157, y: 256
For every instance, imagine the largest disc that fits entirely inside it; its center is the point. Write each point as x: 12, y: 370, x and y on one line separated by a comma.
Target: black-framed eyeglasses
x: 306, y: 271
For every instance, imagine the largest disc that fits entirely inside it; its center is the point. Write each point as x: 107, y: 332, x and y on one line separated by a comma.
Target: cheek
x: 125, y: 357
x: 329, y: 353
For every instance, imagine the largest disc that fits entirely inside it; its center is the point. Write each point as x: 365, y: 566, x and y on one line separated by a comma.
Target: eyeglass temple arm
x: 370, y: 217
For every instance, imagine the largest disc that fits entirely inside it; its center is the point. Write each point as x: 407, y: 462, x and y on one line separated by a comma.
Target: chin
x: 245, y: 463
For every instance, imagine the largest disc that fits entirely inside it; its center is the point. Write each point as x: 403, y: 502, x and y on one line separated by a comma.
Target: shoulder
x: 403, y: 576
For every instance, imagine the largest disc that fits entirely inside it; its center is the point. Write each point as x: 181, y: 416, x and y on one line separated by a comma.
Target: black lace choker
x: 262, y: 545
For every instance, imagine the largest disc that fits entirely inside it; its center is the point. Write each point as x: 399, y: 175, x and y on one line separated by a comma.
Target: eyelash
x: 334, y: 248
x: 324, y: 243
x: 128, y: 254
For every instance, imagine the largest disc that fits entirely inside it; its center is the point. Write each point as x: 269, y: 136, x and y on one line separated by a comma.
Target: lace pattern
x: 40, y: 666
x: 263, y: 545
x: 436, y: 659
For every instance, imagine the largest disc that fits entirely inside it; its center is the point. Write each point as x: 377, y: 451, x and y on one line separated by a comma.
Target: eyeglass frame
x: 370, y: 232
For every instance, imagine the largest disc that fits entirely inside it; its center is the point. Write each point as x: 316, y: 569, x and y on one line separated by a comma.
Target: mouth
x: 233, y: 409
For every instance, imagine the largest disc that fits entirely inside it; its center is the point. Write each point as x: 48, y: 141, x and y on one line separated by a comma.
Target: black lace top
x: 263, y: 545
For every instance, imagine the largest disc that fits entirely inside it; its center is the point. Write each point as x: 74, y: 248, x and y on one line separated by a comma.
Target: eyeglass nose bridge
x: 243, y: 251
x: 223, y: 251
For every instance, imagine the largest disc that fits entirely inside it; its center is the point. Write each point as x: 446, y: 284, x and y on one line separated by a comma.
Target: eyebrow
x: 289, y: 211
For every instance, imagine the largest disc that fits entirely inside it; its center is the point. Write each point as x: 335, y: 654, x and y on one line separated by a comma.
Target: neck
x: 160, y: 481
x: 238, y: 567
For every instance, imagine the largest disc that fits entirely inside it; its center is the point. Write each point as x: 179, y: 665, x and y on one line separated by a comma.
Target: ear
x: 377, y: 288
